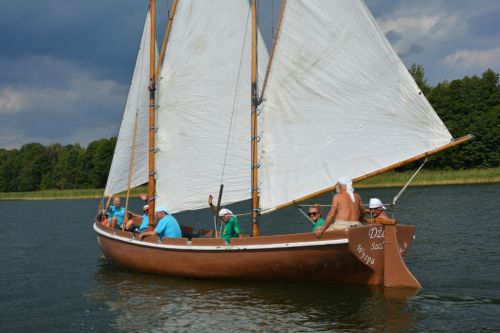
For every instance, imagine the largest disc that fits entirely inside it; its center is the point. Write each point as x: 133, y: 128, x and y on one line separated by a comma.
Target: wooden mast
x: 152, y: 123
x: 254, y: 141
x: 380, y: 171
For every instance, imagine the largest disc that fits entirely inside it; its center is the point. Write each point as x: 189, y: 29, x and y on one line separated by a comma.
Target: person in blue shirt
x: 167, y: 225
x: 143, y: 218
x: 116, y: 212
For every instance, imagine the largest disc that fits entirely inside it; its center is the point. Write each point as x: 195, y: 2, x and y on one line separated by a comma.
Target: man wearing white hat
x: 167, y: 225
x: 347, y: 208
x: 377, y: 209
x: 231, y: 225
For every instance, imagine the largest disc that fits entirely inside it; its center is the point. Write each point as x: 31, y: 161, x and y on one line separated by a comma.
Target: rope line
x: 408, y: 183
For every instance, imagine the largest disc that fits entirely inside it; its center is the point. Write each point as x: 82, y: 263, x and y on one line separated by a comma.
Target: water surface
x: 55, y: 279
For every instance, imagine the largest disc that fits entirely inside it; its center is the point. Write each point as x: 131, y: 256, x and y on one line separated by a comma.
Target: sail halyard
x: 135, y: 115
x: 338, y: 103
x: 152, y: 123
x: 196, y: 98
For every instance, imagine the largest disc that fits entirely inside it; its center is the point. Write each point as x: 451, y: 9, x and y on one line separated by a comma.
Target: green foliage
x: 470, y: 105
x: 35, y: 167
x: 418, y: 74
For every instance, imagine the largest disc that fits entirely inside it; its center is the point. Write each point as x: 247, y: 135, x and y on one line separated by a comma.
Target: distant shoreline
x: 390, y: 179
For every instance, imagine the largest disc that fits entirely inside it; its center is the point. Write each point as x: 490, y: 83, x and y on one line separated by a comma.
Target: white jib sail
x: 137, y: 102
x: 206, y: 70
x: 339, y: 103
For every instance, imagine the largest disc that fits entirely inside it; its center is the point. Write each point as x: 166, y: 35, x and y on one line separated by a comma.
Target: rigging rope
x: 234, y: 99
x: 407, y: 183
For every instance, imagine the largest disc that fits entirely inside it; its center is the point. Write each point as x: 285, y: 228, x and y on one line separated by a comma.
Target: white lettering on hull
x: 365, y: 257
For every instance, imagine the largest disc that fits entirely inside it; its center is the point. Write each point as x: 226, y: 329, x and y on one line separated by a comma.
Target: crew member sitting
x: 314, y: 214
x: 347, y: 208
x: 167, y: 225
x: 143, y: 218
x: 116, y: 212
x: 377, y: 209
x: 231, y: 227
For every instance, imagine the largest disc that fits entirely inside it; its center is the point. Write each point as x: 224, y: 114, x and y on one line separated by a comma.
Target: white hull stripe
x: 223, y: 248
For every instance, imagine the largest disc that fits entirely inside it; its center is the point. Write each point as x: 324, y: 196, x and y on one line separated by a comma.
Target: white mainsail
x: 339, y: 103
x: 137, y: 102
x: 206, y: 70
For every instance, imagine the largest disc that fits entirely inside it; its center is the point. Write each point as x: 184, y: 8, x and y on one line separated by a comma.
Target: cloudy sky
x: 65, y: 65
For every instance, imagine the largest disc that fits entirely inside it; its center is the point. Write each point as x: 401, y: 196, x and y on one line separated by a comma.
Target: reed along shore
x: 389, y: 179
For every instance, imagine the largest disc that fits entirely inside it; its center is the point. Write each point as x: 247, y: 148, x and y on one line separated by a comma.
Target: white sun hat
x: 376, y: 203
x: 225, y: 211
x: 348, y: 184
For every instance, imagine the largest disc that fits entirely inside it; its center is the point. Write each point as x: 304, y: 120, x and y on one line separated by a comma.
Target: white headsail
x: 204, y: 78
x: 339, y: 103
x: 137, y: 102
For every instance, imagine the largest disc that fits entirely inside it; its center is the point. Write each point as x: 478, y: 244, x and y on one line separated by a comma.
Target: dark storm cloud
x: 485, y: 24
x: 65, y: 66
x: 96, y: 34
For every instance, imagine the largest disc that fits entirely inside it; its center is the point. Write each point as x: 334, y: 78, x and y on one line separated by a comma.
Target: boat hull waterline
x: 369, y: 255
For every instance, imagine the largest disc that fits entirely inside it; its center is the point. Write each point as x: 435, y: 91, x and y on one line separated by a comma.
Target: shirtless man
x: 347, y: 208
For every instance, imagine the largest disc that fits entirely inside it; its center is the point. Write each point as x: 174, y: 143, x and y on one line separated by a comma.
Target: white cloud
x: 420, y: 29
x: 65, y: 86
x: 51, y: 100
x: 25, y: 98
x: 474, y: 58
x: 11, y: 100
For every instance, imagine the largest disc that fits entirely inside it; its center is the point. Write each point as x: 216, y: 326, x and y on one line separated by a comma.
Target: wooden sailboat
x: 335, y: 101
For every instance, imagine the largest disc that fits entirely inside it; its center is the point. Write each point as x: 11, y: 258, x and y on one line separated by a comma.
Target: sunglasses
x: 312, y: 213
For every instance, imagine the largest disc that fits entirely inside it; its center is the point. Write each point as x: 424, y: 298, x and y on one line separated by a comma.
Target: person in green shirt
x: 314, y: 214
x: 231, y: 225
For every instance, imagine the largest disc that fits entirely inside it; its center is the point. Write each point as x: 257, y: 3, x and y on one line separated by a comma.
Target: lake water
x: 53, y: 277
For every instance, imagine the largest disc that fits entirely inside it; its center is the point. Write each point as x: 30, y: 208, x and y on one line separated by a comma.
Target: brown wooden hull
x: 294, y: 257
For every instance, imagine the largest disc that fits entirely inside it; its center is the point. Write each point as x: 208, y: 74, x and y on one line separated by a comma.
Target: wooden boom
x: 388, y: 168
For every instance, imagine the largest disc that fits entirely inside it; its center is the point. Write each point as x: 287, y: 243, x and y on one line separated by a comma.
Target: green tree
x: 34, y: 163
x: 418, y: 74
x: 98, y: 159
x: 10, y: 164
x: 470, y: 105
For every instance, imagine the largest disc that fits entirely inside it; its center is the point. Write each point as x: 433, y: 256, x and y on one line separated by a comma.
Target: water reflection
x: 141, y: 302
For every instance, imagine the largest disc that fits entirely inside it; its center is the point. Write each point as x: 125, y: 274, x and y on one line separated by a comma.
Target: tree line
x: 37, y: 167
x: 469, y: 105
